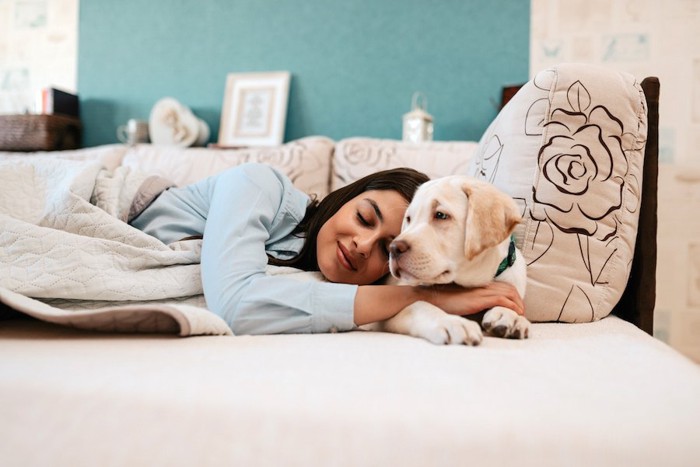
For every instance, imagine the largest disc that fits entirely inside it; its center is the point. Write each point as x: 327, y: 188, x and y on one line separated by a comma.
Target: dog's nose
x: 397, y: 247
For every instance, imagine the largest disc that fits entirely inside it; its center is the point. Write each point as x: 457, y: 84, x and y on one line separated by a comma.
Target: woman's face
x: 353, y: 246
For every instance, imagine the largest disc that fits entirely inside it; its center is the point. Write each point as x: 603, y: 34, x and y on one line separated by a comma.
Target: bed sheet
x: 602, y: 393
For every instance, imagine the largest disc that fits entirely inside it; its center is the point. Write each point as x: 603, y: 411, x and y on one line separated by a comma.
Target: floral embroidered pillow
x: 569, y: 148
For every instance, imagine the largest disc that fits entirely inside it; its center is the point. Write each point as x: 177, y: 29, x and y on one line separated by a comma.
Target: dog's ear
x: 491, y: 217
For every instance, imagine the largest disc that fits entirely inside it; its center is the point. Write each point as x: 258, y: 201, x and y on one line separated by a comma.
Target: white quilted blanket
x: 66, y: 257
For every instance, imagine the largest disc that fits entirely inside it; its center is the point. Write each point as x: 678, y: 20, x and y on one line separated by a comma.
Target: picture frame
x: 254, y: 111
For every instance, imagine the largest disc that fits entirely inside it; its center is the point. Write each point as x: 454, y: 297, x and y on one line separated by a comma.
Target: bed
x: 104, y: 388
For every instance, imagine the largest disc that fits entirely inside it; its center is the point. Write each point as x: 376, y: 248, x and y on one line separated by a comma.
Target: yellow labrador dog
x: 457, y: 230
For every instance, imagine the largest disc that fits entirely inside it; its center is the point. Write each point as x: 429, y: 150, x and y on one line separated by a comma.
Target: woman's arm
x: 252, y: 206
x: 379, y: 302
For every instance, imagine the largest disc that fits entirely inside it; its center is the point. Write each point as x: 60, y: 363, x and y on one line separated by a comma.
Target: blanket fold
x: 63, y: 241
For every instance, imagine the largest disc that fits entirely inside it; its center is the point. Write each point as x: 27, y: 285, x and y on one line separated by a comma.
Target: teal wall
x: 354, y: 63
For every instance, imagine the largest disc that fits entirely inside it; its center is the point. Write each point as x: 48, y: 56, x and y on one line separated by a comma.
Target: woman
x: 251, y: 216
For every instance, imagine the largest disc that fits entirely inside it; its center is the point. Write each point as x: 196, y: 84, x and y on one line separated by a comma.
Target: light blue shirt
x: 243, y: 214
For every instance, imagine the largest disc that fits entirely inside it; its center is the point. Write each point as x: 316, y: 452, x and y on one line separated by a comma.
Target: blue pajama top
x: 244, y: 214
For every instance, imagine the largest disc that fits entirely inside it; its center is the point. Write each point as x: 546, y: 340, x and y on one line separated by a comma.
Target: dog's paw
x: 504, y: 322
x: 426, y: 321
x: 453, y: 330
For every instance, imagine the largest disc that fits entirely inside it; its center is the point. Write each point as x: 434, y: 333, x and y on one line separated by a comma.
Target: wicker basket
x: 39, y: 132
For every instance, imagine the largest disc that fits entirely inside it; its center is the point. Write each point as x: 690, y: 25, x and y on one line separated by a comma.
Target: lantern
x: 418, y: 123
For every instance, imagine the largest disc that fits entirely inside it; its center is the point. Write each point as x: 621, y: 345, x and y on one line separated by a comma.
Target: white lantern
x: 418, y: 123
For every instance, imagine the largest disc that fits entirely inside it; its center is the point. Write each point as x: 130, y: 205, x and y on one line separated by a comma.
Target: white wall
x: 38, y: 48
x: 648, y: 38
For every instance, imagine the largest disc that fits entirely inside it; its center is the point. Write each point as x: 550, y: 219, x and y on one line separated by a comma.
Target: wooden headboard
x: 638, y: 300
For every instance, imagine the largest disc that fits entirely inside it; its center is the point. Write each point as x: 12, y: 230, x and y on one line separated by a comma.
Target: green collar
x: 508, y: 260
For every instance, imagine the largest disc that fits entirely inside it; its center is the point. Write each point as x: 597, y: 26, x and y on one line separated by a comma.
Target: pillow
x: 569, y: 148
x: 356, y: 157
x: 305, y: 161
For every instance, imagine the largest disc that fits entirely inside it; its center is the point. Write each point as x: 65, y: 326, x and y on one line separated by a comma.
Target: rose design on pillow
x: 274, y: 156
x: 488, y: 160
x: 582, y: 167
x: 361, y: 158
x: 584, y: 187
x: 360, y: 154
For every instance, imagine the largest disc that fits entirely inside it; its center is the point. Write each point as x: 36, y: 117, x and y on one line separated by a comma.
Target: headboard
x: 637, y: 302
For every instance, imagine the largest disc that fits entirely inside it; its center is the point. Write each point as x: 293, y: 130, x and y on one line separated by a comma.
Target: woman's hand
x: 462, y: 301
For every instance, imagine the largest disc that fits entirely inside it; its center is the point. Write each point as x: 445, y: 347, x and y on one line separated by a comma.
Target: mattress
x: 602, y: 393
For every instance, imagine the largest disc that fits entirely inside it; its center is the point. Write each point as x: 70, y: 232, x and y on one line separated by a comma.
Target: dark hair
x: 403, y: 180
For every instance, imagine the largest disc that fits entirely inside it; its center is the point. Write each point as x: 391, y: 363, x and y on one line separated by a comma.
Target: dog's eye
x: 408, y: 220
x: 441, y: 215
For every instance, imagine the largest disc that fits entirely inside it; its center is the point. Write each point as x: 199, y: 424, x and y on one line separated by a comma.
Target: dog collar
x: 508, y: 260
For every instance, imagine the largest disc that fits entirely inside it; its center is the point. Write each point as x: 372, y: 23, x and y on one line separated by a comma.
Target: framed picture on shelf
x: 254, y: 109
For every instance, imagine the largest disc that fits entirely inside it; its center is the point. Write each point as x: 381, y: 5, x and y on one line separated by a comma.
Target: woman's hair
x: 404, y: 181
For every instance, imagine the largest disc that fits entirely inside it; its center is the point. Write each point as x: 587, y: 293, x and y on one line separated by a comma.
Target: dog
x: 457, y: 230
